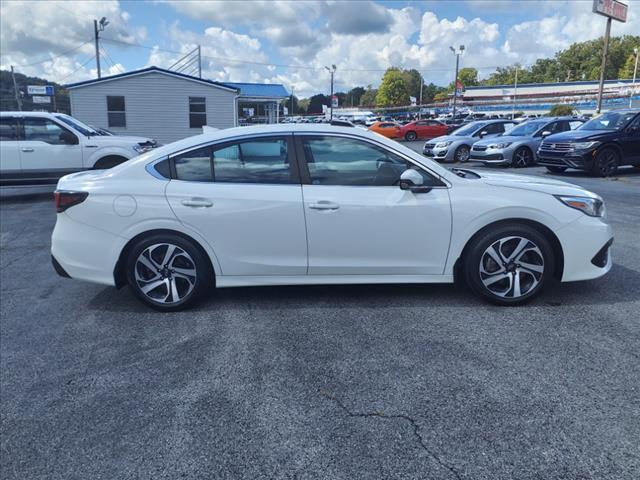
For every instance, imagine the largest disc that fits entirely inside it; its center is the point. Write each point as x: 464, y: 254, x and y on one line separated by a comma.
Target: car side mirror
x: 68, y: 138
x: 546, y: 133
x: 412, y: 180
x: 483, y: 133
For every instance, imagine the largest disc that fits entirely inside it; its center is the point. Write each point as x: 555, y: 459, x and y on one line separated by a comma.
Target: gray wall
x: 157, y: 105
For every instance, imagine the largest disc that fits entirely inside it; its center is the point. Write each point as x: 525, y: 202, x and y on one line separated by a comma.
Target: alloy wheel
x: 511, y: 267
x: 522, y: 158
x: 462, y: 154
x: 607, y: 163
x: 165, y: 273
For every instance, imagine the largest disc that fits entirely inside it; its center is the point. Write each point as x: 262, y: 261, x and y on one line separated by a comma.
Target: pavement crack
x: 416, y: 428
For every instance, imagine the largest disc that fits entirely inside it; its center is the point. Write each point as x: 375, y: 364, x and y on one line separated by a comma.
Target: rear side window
x: 116, y: 111
x: 494, y: 128
x: 194, y: 166
x: 8, y: 129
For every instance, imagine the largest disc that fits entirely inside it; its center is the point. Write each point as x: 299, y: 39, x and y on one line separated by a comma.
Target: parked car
x: 518, y: 146
x: 423, y: 129
x: 388, y: 129
x: 599, y: 146
x: 456, y: 146
x: 318, y: 204
x: 40, y: 147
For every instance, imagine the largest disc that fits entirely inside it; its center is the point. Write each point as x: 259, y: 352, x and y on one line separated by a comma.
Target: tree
x: 316, y: 102
x: 368, y: 98
x: 393, y: 89
x: 412, y: 80
x: 626, y: 71
x: 296, y: 105
x: 353, y: 96
x: 468, y: 77
x: 303, y: 104
x: 561, y: 111
x: 441, y: 96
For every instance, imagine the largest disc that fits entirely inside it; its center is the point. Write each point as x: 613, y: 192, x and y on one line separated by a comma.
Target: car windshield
x: 469, y: 129
x: 78, y: 125
x: 609, y: 121
x: 526, y: 129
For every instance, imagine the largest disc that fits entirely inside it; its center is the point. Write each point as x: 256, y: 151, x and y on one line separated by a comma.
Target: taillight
x: 66, y: 199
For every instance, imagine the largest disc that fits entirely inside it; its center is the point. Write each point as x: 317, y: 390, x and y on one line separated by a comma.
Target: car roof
x: 26, y: 114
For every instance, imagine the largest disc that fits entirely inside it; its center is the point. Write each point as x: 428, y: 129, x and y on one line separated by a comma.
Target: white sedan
x: 319, y: 204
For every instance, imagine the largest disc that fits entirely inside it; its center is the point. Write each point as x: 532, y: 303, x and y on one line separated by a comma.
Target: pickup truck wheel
x: 606, y: 163
x: 556, y: 169
x: 109, y: 161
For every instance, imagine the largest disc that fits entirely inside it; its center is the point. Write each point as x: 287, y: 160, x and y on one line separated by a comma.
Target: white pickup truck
x: 40, y: 147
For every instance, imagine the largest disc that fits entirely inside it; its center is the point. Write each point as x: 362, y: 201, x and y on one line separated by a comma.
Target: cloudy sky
x: 291, y: 42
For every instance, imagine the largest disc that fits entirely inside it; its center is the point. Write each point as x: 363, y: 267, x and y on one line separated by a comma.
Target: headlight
x: 443, y: 144
x: 587, y: 205
x: 583, y: 145
x: 500, y: 145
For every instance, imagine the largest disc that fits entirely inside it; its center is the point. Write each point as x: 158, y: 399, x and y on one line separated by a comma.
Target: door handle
x: 324, y: 205
x: 27, y: 149
x: 197, y: 203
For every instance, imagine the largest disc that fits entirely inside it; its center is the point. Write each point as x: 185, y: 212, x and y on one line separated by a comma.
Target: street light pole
x: 605, y: 53
x: 635, y: 73
x: 97, y: 28
x: 331, y: 70
x: 291, y: 114
x: 515, y: 94
x: 420, y: 107
x: 455, y: 82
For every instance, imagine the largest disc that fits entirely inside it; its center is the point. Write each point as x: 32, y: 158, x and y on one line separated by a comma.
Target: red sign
x: 611, y: 8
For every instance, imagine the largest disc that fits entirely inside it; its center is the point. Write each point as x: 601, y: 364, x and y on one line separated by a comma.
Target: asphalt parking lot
x: 339, y: 382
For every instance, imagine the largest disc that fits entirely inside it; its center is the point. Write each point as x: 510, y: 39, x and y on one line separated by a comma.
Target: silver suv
x: 456, y: 146
x: 517, y: 147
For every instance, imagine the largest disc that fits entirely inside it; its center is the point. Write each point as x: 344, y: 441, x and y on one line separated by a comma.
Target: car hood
x: 502, y: 139
x: 120, y: 139
x: 449, y: 138
x: 529, y: 182
x: 579, y: 136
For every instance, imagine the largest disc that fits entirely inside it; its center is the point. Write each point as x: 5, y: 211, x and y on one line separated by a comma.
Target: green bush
x: 561, y: 111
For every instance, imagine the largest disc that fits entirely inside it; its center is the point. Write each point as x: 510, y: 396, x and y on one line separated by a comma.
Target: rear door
x: 245, y: 198
x: 44, y: 150
x: 9, y: 148
x: 630, y: 142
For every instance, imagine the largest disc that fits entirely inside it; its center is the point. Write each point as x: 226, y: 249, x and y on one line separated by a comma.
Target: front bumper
x: 491, y: 156
x: 586, y: 246
x: 438, y: 154
x: 582, y: 160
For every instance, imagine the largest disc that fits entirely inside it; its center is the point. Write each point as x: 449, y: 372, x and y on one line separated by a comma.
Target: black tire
x: 410, y: 136
x: 109, y: 161
x: 462, y: 154
x: 606, y: 163
x: 557, y: 169
x: 188, y: 288
x: 480, y: 267
x: 522, y: 157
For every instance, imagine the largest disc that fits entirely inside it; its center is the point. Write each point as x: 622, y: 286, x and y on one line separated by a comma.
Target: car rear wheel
x: 167, y: 272
x: 461, y: 154
x: 522, y: 157
x: 606, y: 163
x: 410, y: 136
x: 557, y: 169
x: 509, y: 265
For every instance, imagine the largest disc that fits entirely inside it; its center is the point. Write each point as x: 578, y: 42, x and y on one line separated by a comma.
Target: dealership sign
x: 611, y: 8
x: 39, y: 99
x: 40, y: 90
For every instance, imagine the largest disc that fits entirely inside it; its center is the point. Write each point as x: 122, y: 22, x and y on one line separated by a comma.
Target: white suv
x: 41, y: 147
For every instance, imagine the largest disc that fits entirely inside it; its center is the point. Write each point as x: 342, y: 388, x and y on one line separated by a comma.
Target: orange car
x: 387, y: 129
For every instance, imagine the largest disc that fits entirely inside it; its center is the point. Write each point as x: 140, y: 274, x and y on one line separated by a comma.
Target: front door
x: 245, y: 199
x: 9, y: 148
x: 630, y: 142
x: 358, y: 219
x: 44, y: 149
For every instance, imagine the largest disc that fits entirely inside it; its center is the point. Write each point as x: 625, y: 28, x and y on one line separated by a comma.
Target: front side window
x: 8, y: 129
x: 116, y: 111
x: 345, y: 161
x: 43, y: 130
x: 197, y: 112
x: 526, y: 129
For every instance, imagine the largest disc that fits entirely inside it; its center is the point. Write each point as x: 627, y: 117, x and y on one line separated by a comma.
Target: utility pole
x: 420, y: 107
x: 97, y: 28
x: 633, y: 84
x: 199, y: 62
x: 605, y: 53
x: 331, y: 70
x: 515, y: 94
x: 457, y: 53
x: 15, y: 89
x: 291, y: 114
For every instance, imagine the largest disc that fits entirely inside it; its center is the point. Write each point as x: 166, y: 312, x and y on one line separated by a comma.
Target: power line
x: 91, y: 58
x: 55, y: 56
x: 109, y: 59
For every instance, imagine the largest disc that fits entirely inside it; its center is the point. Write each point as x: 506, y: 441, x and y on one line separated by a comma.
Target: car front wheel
x: 509, y: 265
x: 461, y: 154
x: 167, y: 272
x: 606, y: 163
x: 523, y: 157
